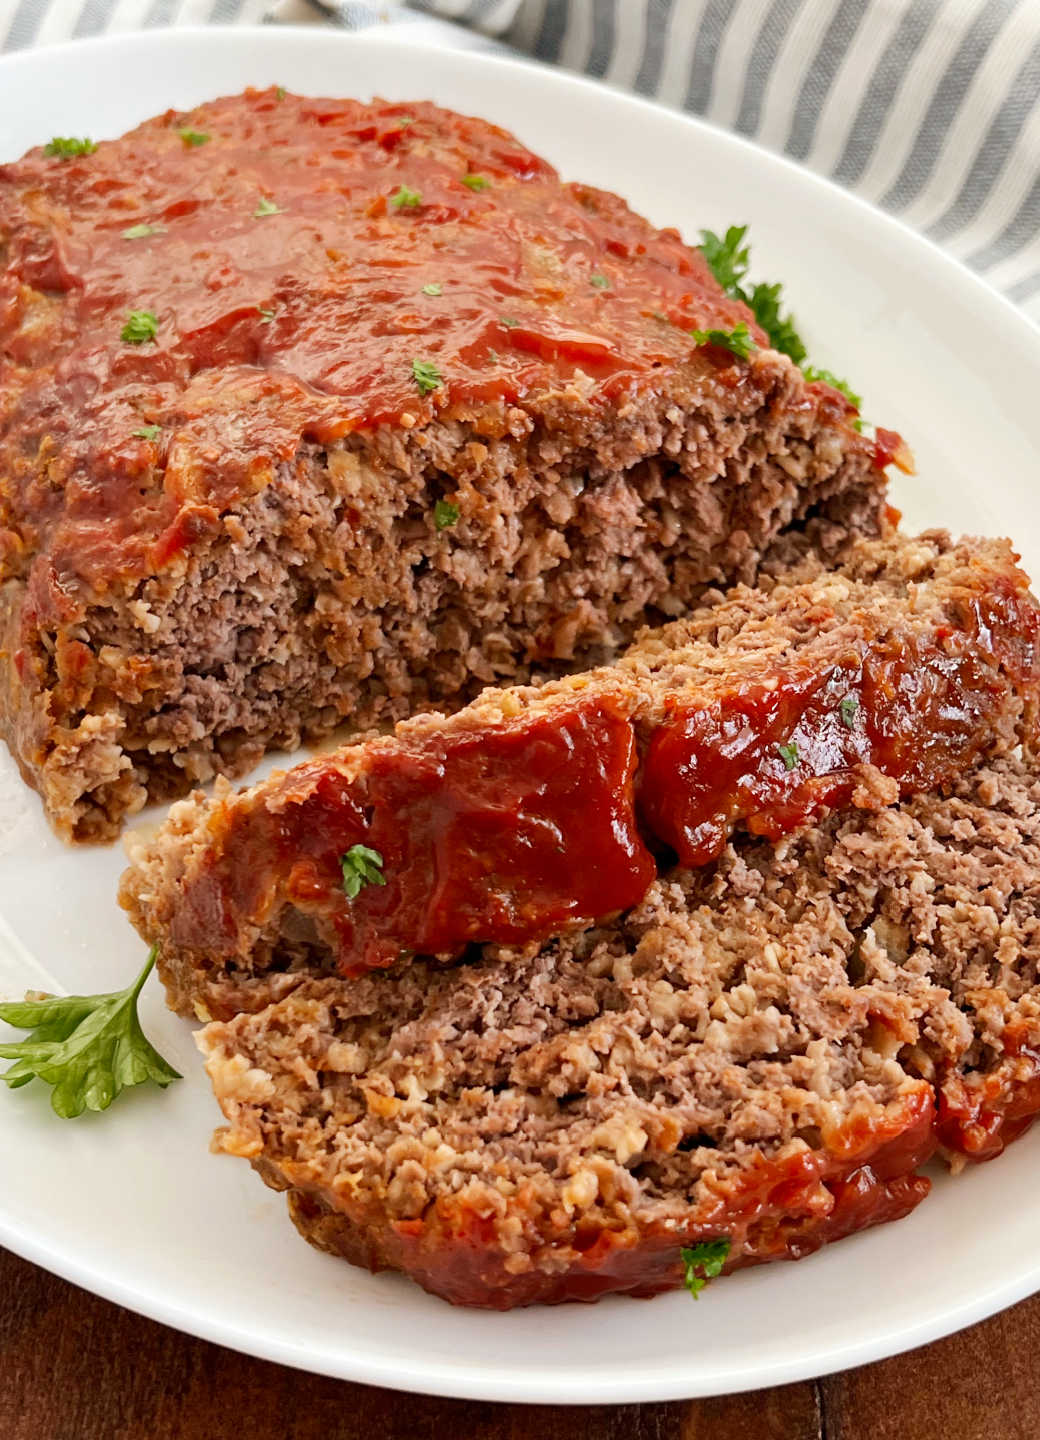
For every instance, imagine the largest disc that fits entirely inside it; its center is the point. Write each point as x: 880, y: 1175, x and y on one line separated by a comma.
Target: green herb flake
x: 433, y: 288
x: 848, y: 708
x: 737, y: 341
x: 194, y: 138
x: 404, y: 121
x: 65, y: 147
x: 599, y: 281
x: 361, y: 866
x: 476, y: 182
x: 788, y: 754
x: 266, y: 207
x: 445, y: 514
x: 703, y: 1263
x: 141, y: 325
x: 87, y: 1047
x: 812, y: 373
x: 141, y: 232
x: 147, y: 432
x: 266, y: 314
x: 509, y: 322
x: 426, y: 376
x: 405, y: 199
x: 280, y: 92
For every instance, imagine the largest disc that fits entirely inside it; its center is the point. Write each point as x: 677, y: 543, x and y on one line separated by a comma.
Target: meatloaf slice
x: 763, y: 1050
x: 539, y: 810
x: 317, y: 411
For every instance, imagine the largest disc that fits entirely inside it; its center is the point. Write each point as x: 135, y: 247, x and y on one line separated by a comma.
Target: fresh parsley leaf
x: 509, y: 322
x: 729, y: 257
x: 599, y: 281
x: 88, y: 1047
x: 813, y: 373
x: 266, y: 207
x: 193, y: 138
x: 476, y: 182
x: 848, y: 708
x: 445, y: 514
x: 405, y: 199
x: 764, y: 303
x: 405, y: 120
x: 66, y: 146
x: 426, y: 376
x: 266, y: 314
x: 738, y: 340
x: 788, y: 754
x: 141, y: 325
x: 279, y: 92
x: 433, y: 288
x: 147, y: 432
x: 361, y: 866
x: 703, y: 1262
x: 141, y: 232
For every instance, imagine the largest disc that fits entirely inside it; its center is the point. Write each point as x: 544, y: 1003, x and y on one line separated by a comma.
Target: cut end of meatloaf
x: 764, y: 1050
x: 425, y: 436
x: 538, y: 811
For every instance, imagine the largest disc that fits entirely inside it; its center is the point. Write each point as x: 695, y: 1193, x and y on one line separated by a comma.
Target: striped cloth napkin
x: 928, y: 108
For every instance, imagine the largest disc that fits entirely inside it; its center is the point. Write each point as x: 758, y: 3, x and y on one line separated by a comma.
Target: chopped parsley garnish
x: 599, y: 281
x: 361, y: 866
x: 193, y: 138
x: 738, y: 340
x: 266, y: 314
x: 813, y: 373
x: 405, y: 199
x: 788, y: 754
x: 426, y: 376
x: 476, y: 182
x: 141, y: 325
x: 279, y: 92
x: 509, y: 322
x: 147, y: 432
x: 88, y: 1047
x: 703, y: 1262
x: 848, y: 708
x: 141, y: 232
x: 266, y: 207
x: 433, y: 288
x: 66, y: 146
x: 445, y: 514
x: 405, y: 120
x: 729, y: 258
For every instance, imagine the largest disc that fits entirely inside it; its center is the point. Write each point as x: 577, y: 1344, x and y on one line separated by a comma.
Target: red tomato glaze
x: 492, y: 835
x: 773, y: 755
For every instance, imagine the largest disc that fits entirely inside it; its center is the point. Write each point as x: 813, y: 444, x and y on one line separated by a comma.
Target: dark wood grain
x: 73, y: 1367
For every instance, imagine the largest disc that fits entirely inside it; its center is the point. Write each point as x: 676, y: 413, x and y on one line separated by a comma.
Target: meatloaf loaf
x: 763, y: 1051
x: 539, y: 810
x: 315, y: 410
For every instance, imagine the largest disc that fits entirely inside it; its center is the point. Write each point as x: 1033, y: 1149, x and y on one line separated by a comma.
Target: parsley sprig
x: 361, y: 866
x: 405, y: 199
x: 87, y: 1047
x: 738, y: 340
x: 67, y: 146
x: 729, y: 257
x: 703, y: 1262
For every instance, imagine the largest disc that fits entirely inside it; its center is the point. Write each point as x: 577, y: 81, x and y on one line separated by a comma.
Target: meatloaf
x: 763, y: 1051
x: 538, y: 810
x: 316, y: 411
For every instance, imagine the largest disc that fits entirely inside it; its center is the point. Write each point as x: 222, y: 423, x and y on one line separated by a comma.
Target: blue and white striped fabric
x: 929, y: 108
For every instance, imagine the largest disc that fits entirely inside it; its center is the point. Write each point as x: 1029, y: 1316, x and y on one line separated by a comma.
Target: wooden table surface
x: 73, y: 1367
